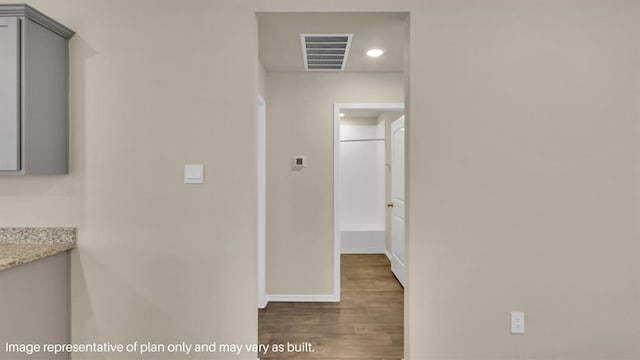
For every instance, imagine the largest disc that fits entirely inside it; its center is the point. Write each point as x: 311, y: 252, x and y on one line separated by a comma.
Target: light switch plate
x: 517, y: 322
x: 194, y: 174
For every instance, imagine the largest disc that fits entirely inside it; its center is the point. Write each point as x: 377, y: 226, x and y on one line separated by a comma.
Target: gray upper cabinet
x: 34, y: 76
x: 9, y: 99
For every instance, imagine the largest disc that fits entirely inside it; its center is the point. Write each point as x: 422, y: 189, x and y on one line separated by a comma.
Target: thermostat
x: 299, y: 162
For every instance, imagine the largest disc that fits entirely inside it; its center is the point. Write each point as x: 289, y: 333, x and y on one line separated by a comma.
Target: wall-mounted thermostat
x: 299, y: 162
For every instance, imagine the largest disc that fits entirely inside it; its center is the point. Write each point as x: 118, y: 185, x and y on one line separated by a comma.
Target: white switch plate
x: 517, y: 322
x: 194, y: 174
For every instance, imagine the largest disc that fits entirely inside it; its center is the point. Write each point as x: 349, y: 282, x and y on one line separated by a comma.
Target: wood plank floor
x: 366, y: 324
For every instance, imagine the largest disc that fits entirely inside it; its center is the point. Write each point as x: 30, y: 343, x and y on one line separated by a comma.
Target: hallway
x: 366, y: 324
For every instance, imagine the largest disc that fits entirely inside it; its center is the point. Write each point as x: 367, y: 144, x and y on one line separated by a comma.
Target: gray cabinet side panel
x: 45, y: 101
x: 35, y: 305
x: 9, y: 94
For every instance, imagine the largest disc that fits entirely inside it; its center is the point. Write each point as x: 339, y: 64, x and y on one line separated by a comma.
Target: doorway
x: 315, y: 67
x: 369, y: 182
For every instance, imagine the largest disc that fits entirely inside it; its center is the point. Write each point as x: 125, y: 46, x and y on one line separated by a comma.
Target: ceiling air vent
x: 325, y: 51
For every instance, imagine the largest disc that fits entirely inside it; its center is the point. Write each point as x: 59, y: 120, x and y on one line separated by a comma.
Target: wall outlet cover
x: 517, y: 322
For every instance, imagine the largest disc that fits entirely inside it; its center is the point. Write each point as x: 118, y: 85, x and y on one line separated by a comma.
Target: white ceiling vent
x: 325, y: 51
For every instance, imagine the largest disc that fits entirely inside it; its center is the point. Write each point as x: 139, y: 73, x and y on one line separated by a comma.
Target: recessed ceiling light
x: 375, y: 52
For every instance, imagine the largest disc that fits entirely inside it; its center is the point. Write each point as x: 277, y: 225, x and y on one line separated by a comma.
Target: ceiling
x: 280, y: 48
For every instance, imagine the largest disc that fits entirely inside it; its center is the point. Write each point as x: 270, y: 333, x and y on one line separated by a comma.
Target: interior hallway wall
x: 523, y: 145
x: 300, y: 203
x: 262, y: 80
x: 523, y: 176
x: 155, y: 85
x: 523, y: 187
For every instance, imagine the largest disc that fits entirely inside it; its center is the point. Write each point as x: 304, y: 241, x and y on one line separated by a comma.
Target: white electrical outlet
x: 517, y: 322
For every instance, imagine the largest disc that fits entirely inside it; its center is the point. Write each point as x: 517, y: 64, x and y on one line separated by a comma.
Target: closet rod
x: 356, y: 140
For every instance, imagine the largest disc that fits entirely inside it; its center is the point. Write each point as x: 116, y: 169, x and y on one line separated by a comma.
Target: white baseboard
x: 386, y: 252
x: 302, y: 298
x: 263, y: 305
x: 363, y: 242
x: 363, y: 251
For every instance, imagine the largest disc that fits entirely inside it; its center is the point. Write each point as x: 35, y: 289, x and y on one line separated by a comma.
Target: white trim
x: 386, y: 252
x: 364, y: 251
x: 337, y: 109
x: 261, y: 141
x: 363, y: 242
x: 399, y: 273
x: 302, y: 298
x: 337, y: 247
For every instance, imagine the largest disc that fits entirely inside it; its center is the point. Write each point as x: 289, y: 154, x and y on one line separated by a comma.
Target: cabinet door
x: 9, y: 94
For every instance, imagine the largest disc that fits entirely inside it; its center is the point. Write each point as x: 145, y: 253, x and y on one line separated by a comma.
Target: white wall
x: 361, y: 174
x: 300, y: 203
x: 381, y: 191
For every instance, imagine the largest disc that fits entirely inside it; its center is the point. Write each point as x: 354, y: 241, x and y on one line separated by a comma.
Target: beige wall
x: 155, y: 85
x: 522, y: 147
x: 522, y: 176
x: 300, y: 203
x: 262, y: 81
x: 522, y: 192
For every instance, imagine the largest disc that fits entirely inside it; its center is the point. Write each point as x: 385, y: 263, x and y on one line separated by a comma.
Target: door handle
x: 390, y: 205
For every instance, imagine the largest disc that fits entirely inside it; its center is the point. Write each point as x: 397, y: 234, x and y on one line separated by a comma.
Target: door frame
x: 337, y: 109
x: 261, y: 119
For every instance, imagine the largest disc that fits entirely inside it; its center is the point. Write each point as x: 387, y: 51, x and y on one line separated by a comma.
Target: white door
x: 397, y: 200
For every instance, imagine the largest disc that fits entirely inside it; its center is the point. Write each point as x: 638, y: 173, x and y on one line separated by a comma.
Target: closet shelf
x: 356, y: 140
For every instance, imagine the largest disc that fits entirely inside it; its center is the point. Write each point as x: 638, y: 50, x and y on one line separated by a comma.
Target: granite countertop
x: 22, y: 245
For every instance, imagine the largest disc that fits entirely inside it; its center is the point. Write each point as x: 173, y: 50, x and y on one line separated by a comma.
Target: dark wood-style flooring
x: 366, y: 324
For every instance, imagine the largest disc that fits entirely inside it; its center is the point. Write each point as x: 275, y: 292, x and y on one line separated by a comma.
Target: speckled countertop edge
x: 37, y: 235
x: 22, y: 245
